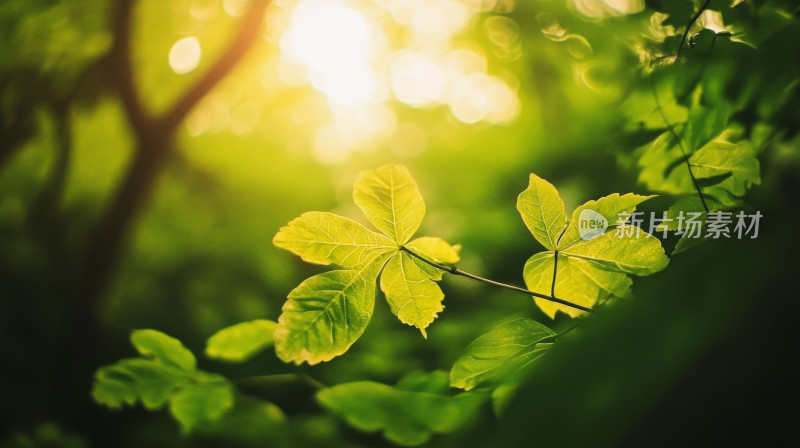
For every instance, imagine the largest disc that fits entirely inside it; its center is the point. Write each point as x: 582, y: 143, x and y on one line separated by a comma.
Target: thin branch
x: 689, y: 27
x: 120, y: 59
x: 685, y: 153
x: 555, y: 272
x: 455, y: 271
x: 154, y: 146
x: 248, y: 32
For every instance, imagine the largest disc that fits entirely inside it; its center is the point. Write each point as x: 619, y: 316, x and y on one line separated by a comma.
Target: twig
x: 455, y: 271
x: 689, y: 27
x: 120, y: 60
x: 685, y: 153
x: 154, y: 143
x: 248, y: 32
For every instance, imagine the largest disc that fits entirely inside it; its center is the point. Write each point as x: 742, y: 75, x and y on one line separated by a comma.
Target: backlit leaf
x: 164, y: 349
x: 390, y: 199
x: 493, y: 357
x: 609, y: 207
x: 325, y: 238
x: 591, y: 267
x: 578, y: 281
x: 638, y: 255
x: 241, y: 341
x: 326, y: 314
x: 411, y: 292
x: 542, y: 210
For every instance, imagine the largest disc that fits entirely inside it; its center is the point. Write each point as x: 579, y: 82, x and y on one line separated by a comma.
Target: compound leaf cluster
x: 328, y: 312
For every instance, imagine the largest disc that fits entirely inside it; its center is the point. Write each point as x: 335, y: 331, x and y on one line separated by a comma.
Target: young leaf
x: 390, y: 199
x: 542, y: 211
x: 325, y: 238
x: 637, y: 255
x: 589, y: 270
x: 582, y: 282
x: 201, y: 401
x: 241, y: 341
x: 164, y: 349
x: 411, y: 292
x: 496, y: 356
x: 435, y: 249
x: 326, y: 314
x: 737, y: 162
x: 405, y: 417
x: 609, y: 207
x: 132, y: 380
x: 165, y: 374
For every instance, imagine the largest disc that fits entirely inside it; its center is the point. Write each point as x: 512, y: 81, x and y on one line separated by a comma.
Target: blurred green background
x: 472, y: 96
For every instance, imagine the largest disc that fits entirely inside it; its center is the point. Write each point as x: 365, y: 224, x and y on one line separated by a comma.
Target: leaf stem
x: 678, y: 140
x: 689, y: 27
x: 455, y: 271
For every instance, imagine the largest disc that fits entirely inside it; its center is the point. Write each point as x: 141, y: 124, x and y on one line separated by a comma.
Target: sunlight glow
x: 598, y: 9
x: 335, y: 43
x: 482, y: 97
x: 364, y: 55
x: 417, y: 79
x: 184, y: 56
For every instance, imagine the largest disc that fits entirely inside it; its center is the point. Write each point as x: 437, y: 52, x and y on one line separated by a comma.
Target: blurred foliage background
x: 119, y: 211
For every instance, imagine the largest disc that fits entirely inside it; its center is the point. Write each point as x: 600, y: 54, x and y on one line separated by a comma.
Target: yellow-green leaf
x: 436, y: 249
x: 390, y: 199
x: 609, y: 207
x: 242, y: 341
x: 163, y: 348
x: 578, y: 281
x: 411, y: 292
x: 204, y: 400
x: 498, y: 355
x: 542, y: 210
x: 325, y: 238
x: 326, y: 314
x: 631, y: 254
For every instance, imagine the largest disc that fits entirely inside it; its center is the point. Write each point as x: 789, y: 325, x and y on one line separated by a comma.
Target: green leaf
x: 390, y: 199
x: 405, y: 417
x: 325, y: 238
x: 638, y: 255
x: 495, y: 356
x: 704, y: 124
x: 132, y: 380
x: 411, y: 292
x: 609, y: 207
x: 199, y: 402
x: 241, y: 341
x: 542, y: 211
x: 592, y: 269
x: 326, y: 314
x: 164, y: 349
x: 165, y: 374
x: 737, y: 162
x: 578, y: 281
x: 436, y: 249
